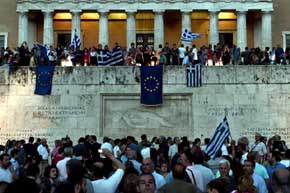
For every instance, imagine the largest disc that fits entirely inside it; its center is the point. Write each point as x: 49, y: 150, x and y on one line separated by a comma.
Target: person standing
x: 7, y: 173
x: 181, y: 54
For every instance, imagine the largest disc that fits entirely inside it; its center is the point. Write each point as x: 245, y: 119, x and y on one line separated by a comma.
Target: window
x: 3, y: 39
x: 286, y: 38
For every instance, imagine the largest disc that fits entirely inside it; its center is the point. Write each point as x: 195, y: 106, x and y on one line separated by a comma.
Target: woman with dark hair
x: 48, y: 181
x: 217, y: 186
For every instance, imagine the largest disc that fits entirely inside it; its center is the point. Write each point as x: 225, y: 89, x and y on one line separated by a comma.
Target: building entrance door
x: 226, y: 39
x: 145, y: 40
x: 64, y: 39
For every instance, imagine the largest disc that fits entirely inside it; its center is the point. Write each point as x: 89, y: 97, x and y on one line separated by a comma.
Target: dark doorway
x: 145, y: 39
x: 64, y: 39
x: 226, y: 39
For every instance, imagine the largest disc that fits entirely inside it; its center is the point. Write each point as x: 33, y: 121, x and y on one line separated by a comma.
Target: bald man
x: 281, y: 181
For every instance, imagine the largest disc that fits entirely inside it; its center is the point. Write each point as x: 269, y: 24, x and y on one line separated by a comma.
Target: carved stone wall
x: 105, y: 102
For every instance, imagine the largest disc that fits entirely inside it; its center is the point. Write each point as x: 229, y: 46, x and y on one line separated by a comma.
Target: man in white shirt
x: 207, y: 174
x: 195, y: 176
x: 61, y: 165
x: 194, y: 54
x: 7, y: 174
x: 43, y: 151
x: 173, y: 149
x: 109, y: 185
x: 259, y: 146
x: 149, y: 168
x: 181, y: 53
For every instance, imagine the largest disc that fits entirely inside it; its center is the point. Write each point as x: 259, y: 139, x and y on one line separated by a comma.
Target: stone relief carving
x: 135, y: 118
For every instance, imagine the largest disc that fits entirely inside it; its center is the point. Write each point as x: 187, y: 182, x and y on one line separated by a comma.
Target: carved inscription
x: 240, y: 110
x: 24, y: 134
x: 58, y: 112
x: 268, y: 132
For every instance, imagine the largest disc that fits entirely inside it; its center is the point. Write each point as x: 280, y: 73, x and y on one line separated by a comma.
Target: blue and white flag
x: 117, y: 57
x: 104, y: 57
x: 188, y: 36
x: 193, y: 75
x: 76, y: 42
x: 216, y: 142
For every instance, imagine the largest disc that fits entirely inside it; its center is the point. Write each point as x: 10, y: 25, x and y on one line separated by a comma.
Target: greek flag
x: 117, y: 57
x: 188, y: 36
x: 76, y: 42
x: 106, y: 58
x: 193, y: 75
x: 221, y: 134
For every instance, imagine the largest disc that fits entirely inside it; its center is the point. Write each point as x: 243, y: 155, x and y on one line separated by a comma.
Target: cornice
x: 125, y: 5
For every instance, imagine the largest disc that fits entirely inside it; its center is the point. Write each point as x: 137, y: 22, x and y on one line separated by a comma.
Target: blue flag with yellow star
x: 151, y: 85
x: 44, y: 75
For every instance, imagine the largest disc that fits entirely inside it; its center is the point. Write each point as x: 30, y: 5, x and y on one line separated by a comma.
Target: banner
x: 44, y: 75
x: 151, y: 85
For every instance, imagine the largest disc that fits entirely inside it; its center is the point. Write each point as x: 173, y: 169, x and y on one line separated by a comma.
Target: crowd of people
x: 125, y: 165
x: 216, y: 55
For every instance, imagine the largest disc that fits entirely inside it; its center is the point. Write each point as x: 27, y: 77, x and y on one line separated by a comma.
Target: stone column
x: 103, y: 28
x: 266, y: 29
x: 22, y: 27
x: 76, y: 24
x: 131, y: 28
x: 158, y: 28
x: 213, y: 27
x: 48, y: 28
x: 186, y: 24
x: 242, y: 29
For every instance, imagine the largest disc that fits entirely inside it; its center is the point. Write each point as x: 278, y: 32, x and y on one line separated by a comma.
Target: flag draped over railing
x: 188, y: 36
x: 44, y: 75
x: 193, y: 75
x: 107, y: 58
x: 151, y: 85
x: 221, y: 134
x: 76, y: 41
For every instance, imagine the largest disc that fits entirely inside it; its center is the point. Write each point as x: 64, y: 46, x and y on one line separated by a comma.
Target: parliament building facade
x: 252, y: 23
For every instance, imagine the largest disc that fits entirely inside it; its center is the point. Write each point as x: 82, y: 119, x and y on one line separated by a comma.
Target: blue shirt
x: 271, y: 169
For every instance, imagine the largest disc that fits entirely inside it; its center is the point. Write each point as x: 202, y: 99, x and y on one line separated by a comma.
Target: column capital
x: 47, y: 10
x: 22, y: 12
x: 158, y: 11
x: 214, y: 11
x: 267, y: 11
x: 186, y: 11
x: 76, y: 11
x: 104, y: 13
x: 242, y: 10
x: 131, y: 11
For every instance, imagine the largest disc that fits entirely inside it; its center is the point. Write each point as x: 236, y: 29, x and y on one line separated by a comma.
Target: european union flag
x: 151, y: 85
x: 44, y: 76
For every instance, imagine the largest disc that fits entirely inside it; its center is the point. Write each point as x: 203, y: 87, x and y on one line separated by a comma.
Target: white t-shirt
x: 173, y: 149
x: 61, y: 166
x: 116, y: 150
x: 260, y: 148
x: 194, y: 53
x: 110, y: 184
x: 5, y: 175
x: 181, y: 52
x: 286, y: 163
